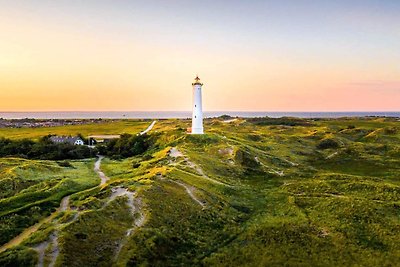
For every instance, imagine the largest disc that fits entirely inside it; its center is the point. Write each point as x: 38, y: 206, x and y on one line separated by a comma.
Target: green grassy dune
x: 257, y: 192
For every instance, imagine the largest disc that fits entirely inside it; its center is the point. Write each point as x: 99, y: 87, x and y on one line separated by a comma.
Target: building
x: 197, y: 114
x: 67, y: 139
x: 104, y: 138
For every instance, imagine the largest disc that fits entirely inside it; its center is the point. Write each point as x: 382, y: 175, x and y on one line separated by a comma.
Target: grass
x: 106, y: 127
x: 36, y: 189
x: 280, y: 199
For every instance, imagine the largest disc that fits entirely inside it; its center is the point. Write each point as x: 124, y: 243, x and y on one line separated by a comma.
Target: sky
x: 252, y: 55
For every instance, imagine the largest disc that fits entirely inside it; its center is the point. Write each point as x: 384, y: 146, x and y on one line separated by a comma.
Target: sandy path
x: 332, y: 155
x: 148, y: 128
x: 28, y: 231
x: 134, y: 205
x: 190, y: 191
x: 64, y: 205
x: 270, y: 170
x: 229, y: 121
x: 101, y: 174
x: 41, y: 249
x: 175, y: 153
x: 53, y: 240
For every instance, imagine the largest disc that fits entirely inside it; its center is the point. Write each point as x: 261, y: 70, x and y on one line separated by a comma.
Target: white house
x: 67, y: 139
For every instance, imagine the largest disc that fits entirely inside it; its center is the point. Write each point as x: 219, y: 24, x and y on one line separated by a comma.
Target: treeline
x: 286, y: 121
x: 126, y: 146
x: 43, y: 149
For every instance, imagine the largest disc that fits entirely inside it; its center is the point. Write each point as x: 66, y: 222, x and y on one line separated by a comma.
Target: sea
x: 184, y: 114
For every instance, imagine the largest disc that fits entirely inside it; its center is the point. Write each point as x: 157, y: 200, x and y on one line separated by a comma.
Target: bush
x: 18, y: 257
x: 247, y: 160
x: 203, y: 139
x: 65, y: 163
x: 287, y: 121
x: 390, y: 130
x: 43, y: 149
x: 127, y: 146
x: 327, y: 143
x: 136, y: 165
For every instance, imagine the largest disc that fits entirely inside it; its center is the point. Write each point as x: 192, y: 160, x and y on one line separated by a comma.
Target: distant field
x: 250, y: 192
x: 117, y: 127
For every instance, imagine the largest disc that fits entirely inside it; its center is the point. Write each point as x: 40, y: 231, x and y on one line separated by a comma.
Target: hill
x: 254, y: 192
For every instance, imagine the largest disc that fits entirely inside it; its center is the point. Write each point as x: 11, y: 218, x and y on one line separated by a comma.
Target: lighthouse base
x: 197, y: 131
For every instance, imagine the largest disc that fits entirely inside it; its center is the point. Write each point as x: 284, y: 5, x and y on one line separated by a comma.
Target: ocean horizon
x: 184, y: 114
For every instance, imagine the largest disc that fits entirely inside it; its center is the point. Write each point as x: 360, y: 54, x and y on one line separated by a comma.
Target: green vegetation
x: 107, y: 127
x: 43, y: 149
x: 31, y: 190
x: 126, y: 146
x: 256, y: 192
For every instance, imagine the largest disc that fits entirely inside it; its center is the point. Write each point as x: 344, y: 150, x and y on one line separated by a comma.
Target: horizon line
x: 255, y: 111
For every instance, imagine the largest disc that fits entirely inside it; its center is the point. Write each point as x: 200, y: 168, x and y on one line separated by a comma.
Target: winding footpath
x: 133, y: 203
x: 189, y: 191
x: 101, y: 174
x: 175, y: 153
x: 64, y: 205
x: 148, y: 128
x: 28, y: 231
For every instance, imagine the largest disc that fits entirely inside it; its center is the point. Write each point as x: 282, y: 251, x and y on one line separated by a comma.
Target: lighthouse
x: 197, y: 114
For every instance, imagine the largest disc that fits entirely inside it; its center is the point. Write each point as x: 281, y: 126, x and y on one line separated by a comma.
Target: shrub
x: 246, y: 160
x: 287, y: 121
x: 65, y: 163
x: 18, y: 257
x: 390, y: 130
x: 327, y: 143
x: 127, y: 146
x: 42, y: 149
x: 136, y: 165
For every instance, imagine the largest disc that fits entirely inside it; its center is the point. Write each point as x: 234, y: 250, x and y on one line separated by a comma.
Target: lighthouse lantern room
x: 197, y: 114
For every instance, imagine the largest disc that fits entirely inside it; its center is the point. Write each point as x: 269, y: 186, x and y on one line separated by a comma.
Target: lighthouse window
x: 195, y: 117
x: 194, y: 105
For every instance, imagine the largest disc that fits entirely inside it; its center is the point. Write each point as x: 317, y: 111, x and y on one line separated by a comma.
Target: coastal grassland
x: 94, y: 237
x: 105, y: 127
x: 337, y: 206
x: 32, y: 189
x: 273, y: 194
x: 250, y: 192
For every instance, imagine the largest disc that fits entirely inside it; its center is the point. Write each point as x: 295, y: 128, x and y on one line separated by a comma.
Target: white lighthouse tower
x: 197, y: 115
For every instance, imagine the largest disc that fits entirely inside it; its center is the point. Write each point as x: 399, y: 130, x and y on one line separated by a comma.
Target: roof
x: 105, y: 136
x: 197, y: 81
x: 65, y: 139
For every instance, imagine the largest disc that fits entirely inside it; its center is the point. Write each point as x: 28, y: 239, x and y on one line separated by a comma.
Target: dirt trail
x: 148, y: 128
x: 53, y: 240
x: 28, y: 231
x: 119, y: 192
x: 332, y: 155
x: 270, y: 170
x: 133, y: 203
x: 64, y: 205
x: 41, y: 249
x: 135, y: 206
x: 229, y: 121
x: 101, y: 174
x: 175, y: 153
x: 262, y: 152
x: 55, y: 251
x: 190, y: 191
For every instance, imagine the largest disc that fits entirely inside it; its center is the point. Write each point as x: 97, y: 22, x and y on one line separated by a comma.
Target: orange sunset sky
x: 251, y: 55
